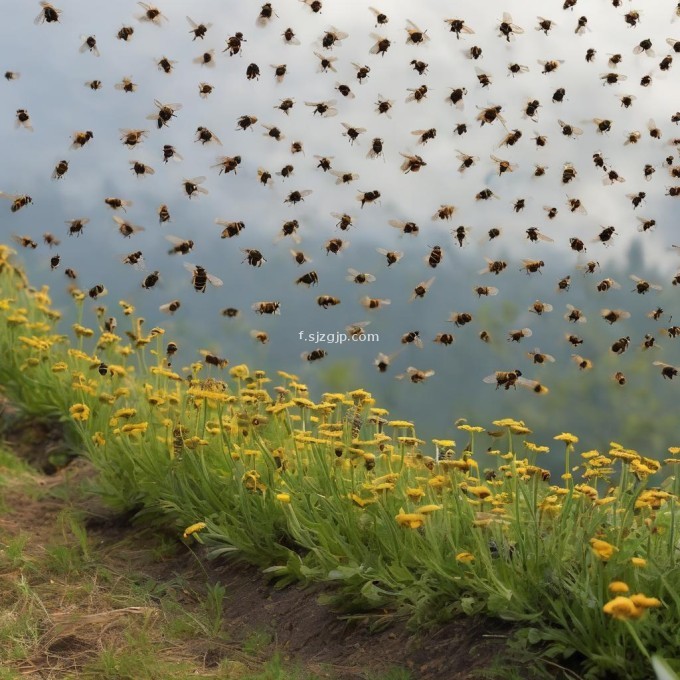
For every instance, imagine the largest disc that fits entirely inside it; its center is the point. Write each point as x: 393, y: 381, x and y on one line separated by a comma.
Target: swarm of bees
x: 367, y: 132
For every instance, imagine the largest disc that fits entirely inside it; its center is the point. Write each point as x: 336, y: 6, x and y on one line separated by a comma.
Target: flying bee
x: 286, y: 171
x: 655, y: 314
x: 563, y: 284
x: 466, y: 161
x: 227, y: 164
x: 486, y: 291
x: 230, y: 312
x: 648, y: 342
x: 574, y: 315
x: 308, y: 279
x: 540, y: 170
x: 484, y: 79
x: 514, y: 69
x: 24, y: 241
x: 344, y: 90
x: 71, y: 273
x: 297, y: 196
x: 150, y: 281
x: 569, y: 130
x: 540, y: 308
x: 460, y: 129
x: 644, y: 46
x: 344, y: 220
x: 205, y: 89
x: 636, y: 199
x: 517, y: 335
x: 541, y: 140
x: 671, y: 331
x: 412, y: 338
x: 645, y: 224
x: 405, y: 227
x: 253, y: 71
x: 126, y: 85
x: 231, y: 229
x: 344, y: 177
x: 416, y: 94
x: 356, y: 330
x: 415, y: 375
x: 234, y: 44
x: 198, y: 30
x: 76, y: 226
x: 380, y: 46
x: 166, y: 65
x: 415, y: 35
x: 12, y: 75
x: 632, y: 18
x: 260, y: 336
x: 511, y: 138
x: 327, y: 301
x: 117, y: 203
x: 607, y: 284
x: 253, y: 257
x: 362, y: 71
x: 324, y: 108
x: 373, y: 303
x: 392, y: 256
x: 613, y: 176
x: 179, y: 246
x: 96, y: 291
x: 444, y: 339
x: 605, y: 235
x: 531, y: 109
x: 335, y: 246
x: 359, y: 277
x: 314, y: 355
x: 213, y: 360
x: 493, y: 233
x: 54, y: 262
x: 80, y: 139
x: 206, y: 59
x: 581, y: 25
x: 456, y: 97
x: 583, y: 363
x: 485, y: 337
x: 135, y: 259
x: 493, y: 266
x: 435, y: 257
x: 667, y: 371
x: 200, y: 278
x: 163, y: 214
x: 614, y: 315
x: 169, y: 152
x: 444, y: 212
x: 425, y: 135
x: 573, y: 340
x: 352, y: 132
x: 620, y: 345
x: 632, y: 138
x: 326, y: 63
x: 382, y: 362
x: 421, y: 289
x: 507, y: 29
x: 126, y: 228
x: 485, y: 195
x: 627, y: 100
x: 273, y: 132
x: 205, y: 136
x: 654, y: 131
x: 140, y: 169
x: 289, y: 37
x: 619, y: 377
x: 132, y: 137
x: 532, y: 266
x: 551, y: 65
x: 50, y: 240
x: 575, y: 205
x: 534, y: 235
x: 60, y: 169
x: 503, y: 166
x: 289, y: 228
x: 89, y: 44
x: 673, y: 191
x: 539, y: 358
x: 642, y: 286
x: 48, y: 14
x: 368, y: 197
x: 506, y: 379
x: 460, y: 318
x: 151, y: 14
x: 299, y: 257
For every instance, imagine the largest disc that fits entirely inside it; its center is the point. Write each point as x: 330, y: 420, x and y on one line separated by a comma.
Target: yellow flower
x: 80, y: 412
x: 426, y: 509
x: 602, y: 549
x: 193, y: 529
x: 360, y: 395
x: 644, y: 602
x: 412, y: 520
x: 535, y: 448
x: 465, y: 557
x: 481, y: 492
x: 410, y: 441
x: 618, y: 587
x: 131, y: 428
x: 401, y: 423
x: 59, y: 367
x: 567, y: 438
x: 621, y: 608
x: 444, y: 442
x: 98, y: 439
x: 638, y: 562
x: 379, y: 411
x: 674, y: 450
x: 239, y: 372
x: 415, y: 494
x: 125, y: 413
x: 81, y: 331
x: 361, y: 502
x: 471, y: 428
x: 283, y: 497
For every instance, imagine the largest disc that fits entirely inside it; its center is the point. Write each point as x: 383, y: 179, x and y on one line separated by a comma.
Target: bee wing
x: 637, y: 279
x: 491, y: 379
x: 189, y: 266
x: 491, y: 290
x: 662, y: 364
x: 175, y: 240
x: 192, y: 23
x: 166, y: 308
x: 214, y: 280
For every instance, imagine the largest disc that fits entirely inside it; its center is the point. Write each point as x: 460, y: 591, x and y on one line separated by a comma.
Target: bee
x: 581, y: 362
x: 96, y: 291
x: 484, y: 337
x: 534, y: 235
x: 344, y: 177
x: 636, y: 199
x: 654, y: 131
x: 230, y: 312
x: 460, y: 129
x: 541, y: 140
x: 289, y: 37
x: 359, y: 277
x: 117, y: 203
x: 50, y: 240
x: 200, y: 278
x: 573, y: 340
x: 60, y: 169
x: 151, y: 14
x: 620, y: 345
x: 632, y: 138
x: 655, y: 314
x: 435, y: 257
x: 373, y: 303
x: 25, y: 241
x: 494, y: 232
x: 205, y: 89
x: 71, y: 273
x: 89, y: 43
x: 179, y: 246
x: 12, y: 75
x: 234, y: 44
x: 132, y: 137
x: 392, y: 256
x: 273, y: 132
x: 607, y: 284
x: 614, y: 315
x: 140, y: 169
x: 368, y: 197
x: 352, y: 132
x: 227, y: 164
x: 405, y: 227
x: 642, y: 286
x: 420, y: 67
x: 563, y: 284
x: 253, y: 257
x: 416, y: 94
x: 574, y: 315
x: 569, y: 130
x: 415, y: 375
x: 517, y: 335
x: 458, y: 26
x: 466, y: 161
x: 382, y: 362
x: 150, y: 281
x: 540, y: 170
x: 335, y: 246
x: 672, y: 331
x: 48, y: 14
x: 511, y: 138
x: 613, y: 176
x: 300, y: 258
x: 506, y: 379
x: 538, y: 358
x: 126, y: 85
x: 206, y: 59
x: 135, y: 259
x: 289, y: 228
x: 485, y: 195
x: 532, y: 266
x: 507, y: 28
x: 326, y: 63
x: 673, y: 191
x: 619, y: 377
x: 94, y: 84
x: 460, y: 318
x: 540, y: 308
x: 415, y: 35
x: 575, y: 205
x: 80, y: 139
x: 444, y: 339
x: 125, y: 228
x: 531, y: 109
x: 344, y: 220
x: 309, y: 279
x: 612, y: 78
x: 425, y: 135
x: 550, y: 65
x: 456, y: 97
x: 644, y: 46
x: 627, y: 100
x: 76, y: 226
x: 514, y: 69
x: 493, y: 266
x: 503, y: 166
x: 327, y: 301
x: 253, y: 72
x: 163, y: 214
x: 314, y: 355
x: 198, y: 30
x: 344, y: 90
x: 205, y: 136
x: 444, y: 212
x: 605, y: 235
x: 412, y: 338
x: 166, y: 65
x: 667, y: 371
x: 297, y: 196
x: 231, y: 229
x: 581, y: 25
x: 648, y: 342
x: 421, y: 289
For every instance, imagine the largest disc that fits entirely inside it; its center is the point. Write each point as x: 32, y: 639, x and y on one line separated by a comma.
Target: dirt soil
x: 302, y: 630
